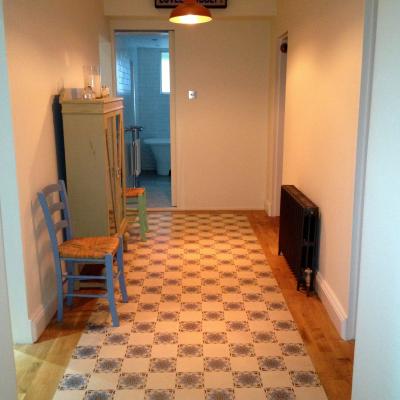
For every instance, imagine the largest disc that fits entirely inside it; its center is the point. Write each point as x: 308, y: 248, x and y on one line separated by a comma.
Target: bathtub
x: 161, y: 149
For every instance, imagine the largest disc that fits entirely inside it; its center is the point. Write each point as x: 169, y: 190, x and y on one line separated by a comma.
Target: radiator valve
x: 307, y: 277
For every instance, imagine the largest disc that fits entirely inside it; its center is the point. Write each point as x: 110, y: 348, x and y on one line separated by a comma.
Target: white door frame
x: 361, y: 160
x: 279, y: 126
x: 172, y: 119
x: 172, y: 101
x: 8, y: 378
x: 376, y: 361
x: 9, y: 199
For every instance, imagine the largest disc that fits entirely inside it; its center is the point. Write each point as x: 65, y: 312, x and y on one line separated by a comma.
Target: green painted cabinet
x: 95, y: 166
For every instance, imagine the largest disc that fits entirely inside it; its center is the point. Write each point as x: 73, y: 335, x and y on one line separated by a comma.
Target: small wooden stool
x: 140, y: 195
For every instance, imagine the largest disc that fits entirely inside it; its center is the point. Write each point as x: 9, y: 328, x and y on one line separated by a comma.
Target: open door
x: 144, y: 77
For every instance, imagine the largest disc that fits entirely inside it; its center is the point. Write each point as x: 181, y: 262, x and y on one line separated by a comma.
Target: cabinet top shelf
x: 66, y: 97
x: 85, y: 106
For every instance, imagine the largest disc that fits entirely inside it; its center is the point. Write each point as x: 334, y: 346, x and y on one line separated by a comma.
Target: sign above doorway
x: 206, y: 3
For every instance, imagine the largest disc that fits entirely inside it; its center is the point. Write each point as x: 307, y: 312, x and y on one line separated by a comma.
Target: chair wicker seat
x: 89, y: 247
x: 134, y: 192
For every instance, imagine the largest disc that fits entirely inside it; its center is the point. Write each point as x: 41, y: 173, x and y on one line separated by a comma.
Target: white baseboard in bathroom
x: 332, y: 305
x: 41, y: 318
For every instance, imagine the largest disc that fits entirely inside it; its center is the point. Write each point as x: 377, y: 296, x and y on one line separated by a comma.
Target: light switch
x: 192, y: 94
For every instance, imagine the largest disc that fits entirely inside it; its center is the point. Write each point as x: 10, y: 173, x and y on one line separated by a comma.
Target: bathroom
x: 142, y: 66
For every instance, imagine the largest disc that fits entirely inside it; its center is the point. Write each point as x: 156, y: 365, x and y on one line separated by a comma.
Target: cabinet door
x: 115, y: 159
x: 110, y: 178
x: 120, y: 167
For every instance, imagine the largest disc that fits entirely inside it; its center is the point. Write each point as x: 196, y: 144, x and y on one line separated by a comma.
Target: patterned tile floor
x: 205, y: 320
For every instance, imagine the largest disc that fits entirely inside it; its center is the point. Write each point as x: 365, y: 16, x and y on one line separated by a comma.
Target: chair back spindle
x: 61, y: 206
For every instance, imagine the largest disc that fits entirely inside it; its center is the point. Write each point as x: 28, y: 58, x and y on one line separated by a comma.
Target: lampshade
x: 190, y: 12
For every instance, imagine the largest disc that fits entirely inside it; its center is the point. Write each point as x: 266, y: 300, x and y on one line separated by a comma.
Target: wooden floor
x: 40, y: 366
x: 332, y: 357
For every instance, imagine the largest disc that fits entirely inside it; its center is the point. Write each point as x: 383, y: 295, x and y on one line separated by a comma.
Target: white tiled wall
x: 124, y: 89
x: 153, y: 106
x: 124, y: 84
x: 123, y: 74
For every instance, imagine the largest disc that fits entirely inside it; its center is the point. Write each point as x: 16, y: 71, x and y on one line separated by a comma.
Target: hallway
x: 205, y: 319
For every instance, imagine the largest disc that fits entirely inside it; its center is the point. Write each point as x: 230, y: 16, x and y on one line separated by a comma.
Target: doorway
x: 143, y: 77
x: 279, y: 126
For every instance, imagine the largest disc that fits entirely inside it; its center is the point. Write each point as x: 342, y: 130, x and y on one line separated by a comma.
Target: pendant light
x: 190, y: 12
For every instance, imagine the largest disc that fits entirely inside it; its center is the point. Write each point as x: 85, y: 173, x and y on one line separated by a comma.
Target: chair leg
x: 145, y: 212
x: 70, y: 284
x: 142, y: 217
x: 110, y: 289
x: 60, y: 292
x: 121, y: 276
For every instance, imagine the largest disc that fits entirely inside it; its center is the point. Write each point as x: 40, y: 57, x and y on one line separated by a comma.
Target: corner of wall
x: 41, y: 318
x: 30, y: 331
x: 267, y: 207
x: 332, y: 305
x: 9, y: 199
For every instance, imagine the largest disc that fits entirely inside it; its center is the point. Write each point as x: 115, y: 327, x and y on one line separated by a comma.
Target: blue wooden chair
x: 88, y: 250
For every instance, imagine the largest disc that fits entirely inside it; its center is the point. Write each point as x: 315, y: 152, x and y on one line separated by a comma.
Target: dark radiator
x: 298, y: 235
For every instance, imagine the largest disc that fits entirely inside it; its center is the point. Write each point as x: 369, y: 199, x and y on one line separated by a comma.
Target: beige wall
x: 48, y: 42
x: 221, y: 136
x: 321, y: 122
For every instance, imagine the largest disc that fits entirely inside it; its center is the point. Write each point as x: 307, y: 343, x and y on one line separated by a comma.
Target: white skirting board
x: 268, y: 208
x: 41, y: 318
x: 332, y: 305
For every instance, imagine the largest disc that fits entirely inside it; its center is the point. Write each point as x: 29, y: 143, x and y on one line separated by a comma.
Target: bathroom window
x: 165, y: 74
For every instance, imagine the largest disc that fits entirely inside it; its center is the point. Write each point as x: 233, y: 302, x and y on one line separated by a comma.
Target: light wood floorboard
x: 332, y: 356
x: 41, y: 365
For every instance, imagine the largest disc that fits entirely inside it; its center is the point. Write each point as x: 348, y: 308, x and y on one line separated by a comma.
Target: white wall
x: 221, y: 136
x: 377, y: 356
x: 9, y: 201
x: 321, y: 123
x: 8, y: 386
x: 8, y: 381
x: 47, y: 44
